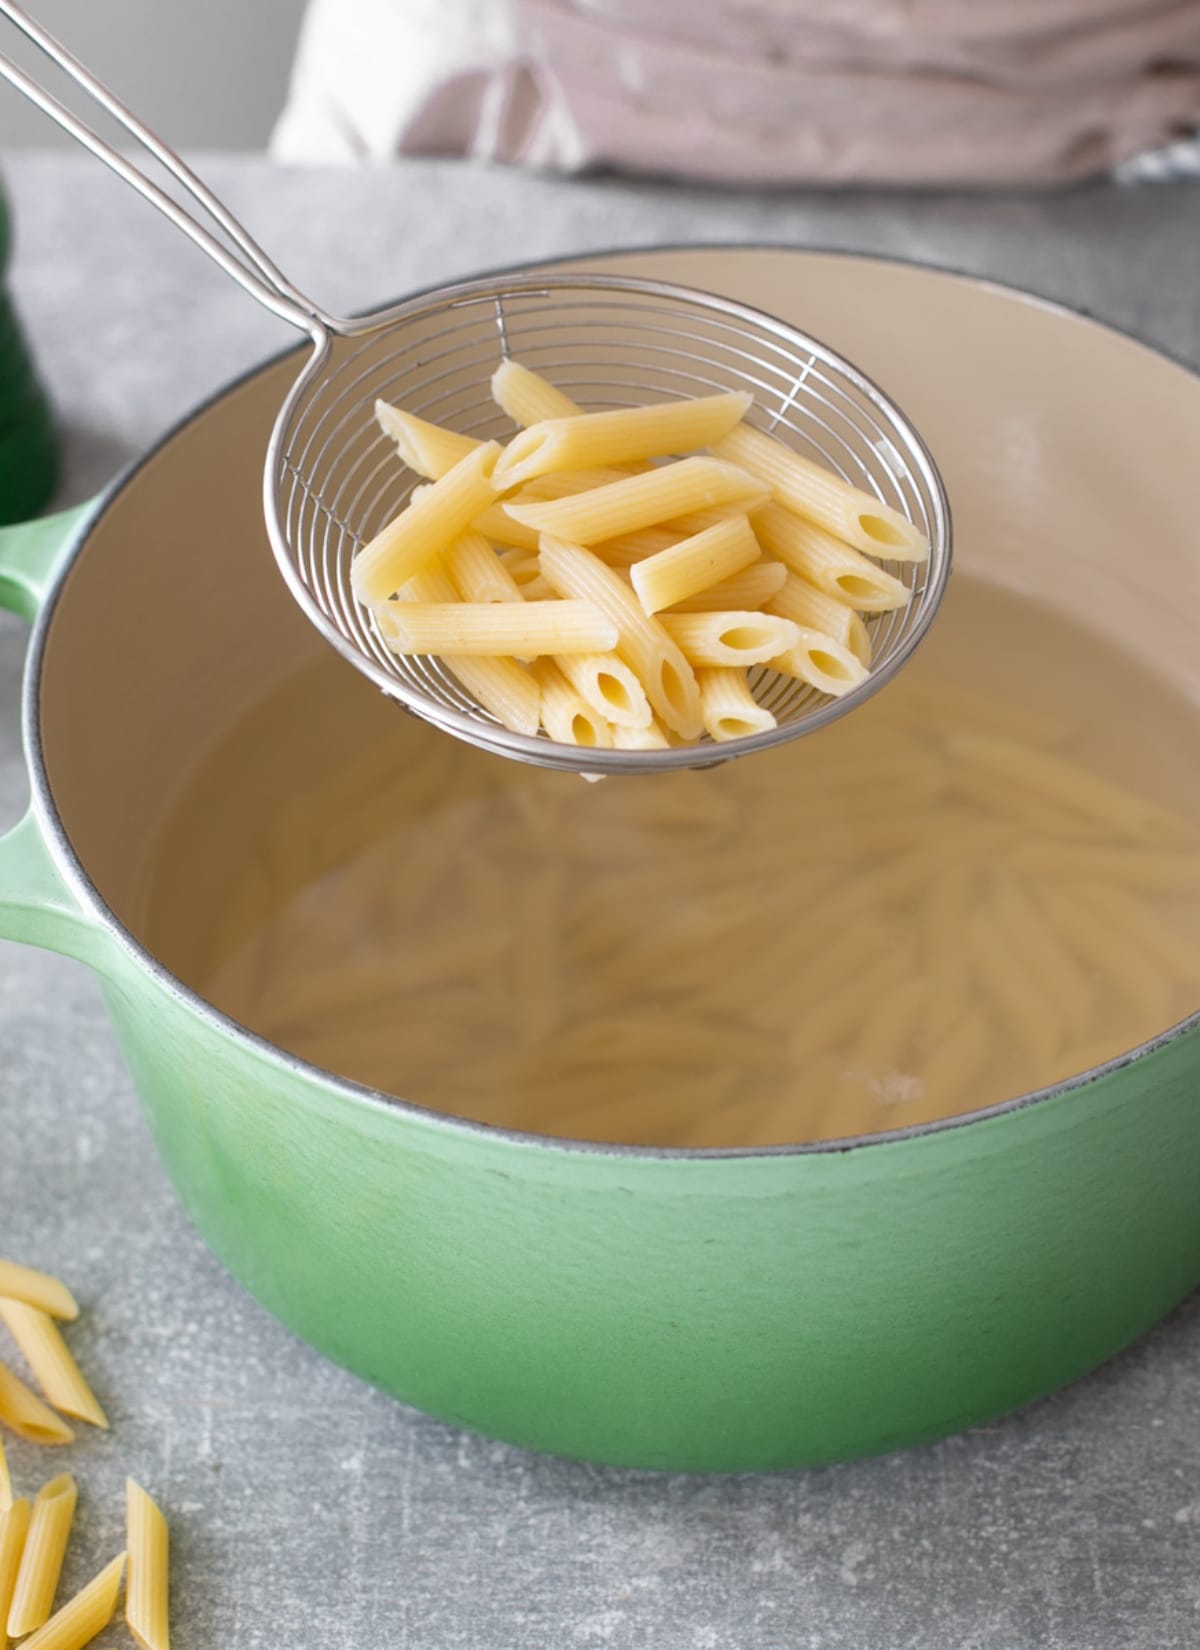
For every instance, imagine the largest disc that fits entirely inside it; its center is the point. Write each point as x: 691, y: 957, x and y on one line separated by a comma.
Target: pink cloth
x: 892, y: 92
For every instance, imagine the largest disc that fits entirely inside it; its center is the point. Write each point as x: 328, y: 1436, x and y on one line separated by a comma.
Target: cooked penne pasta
x: 694, y: 564
x: 47, y: 1354
x: 748, y: 590
x: 426, y: 448
x: 620, y: 436
x: 640, y: 501
x: 527, y: 397
x: 1072, y: 786
x: 41, y: 1562
x: 24, y: 1413
x: 722, y: 639
x: 649, y: 738
x: 22, y: 1283
x: 728, y: 707
x: 834, y: 567
x: 425, y: 527
x: 812, y: 609
x: 85, y: 1615
x: 821, y: 662
x: 609, y: 686
x: 14, y: 1528
x: 668, y: 679
x: 819, y: 496
x: 630, y: 547
x: 566, y: 714
x: 498, y: 526
x: 492, y: 629
x: 567, y: 484
x: 147, y: 1589
x: 476, y: 571
x: 6, y: 1495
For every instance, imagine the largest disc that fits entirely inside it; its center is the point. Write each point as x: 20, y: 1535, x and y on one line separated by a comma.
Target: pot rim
x: 55, y: 833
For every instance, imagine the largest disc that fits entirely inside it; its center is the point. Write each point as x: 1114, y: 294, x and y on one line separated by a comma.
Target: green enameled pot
x: 698, y: 1310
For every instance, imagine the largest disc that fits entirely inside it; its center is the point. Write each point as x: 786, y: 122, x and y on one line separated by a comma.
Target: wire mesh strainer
x: 332, y: 479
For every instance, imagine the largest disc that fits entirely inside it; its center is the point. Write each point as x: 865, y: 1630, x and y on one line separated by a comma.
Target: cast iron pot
x: 694, y: 1310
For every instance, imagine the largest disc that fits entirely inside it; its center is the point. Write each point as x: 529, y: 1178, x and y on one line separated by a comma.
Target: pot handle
x: 37, y: 904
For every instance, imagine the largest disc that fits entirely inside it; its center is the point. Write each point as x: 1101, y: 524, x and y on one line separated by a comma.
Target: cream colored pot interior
x: 1066, y: 450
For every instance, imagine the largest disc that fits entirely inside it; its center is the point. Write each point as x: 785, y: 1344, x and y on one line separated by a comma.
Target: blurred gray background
x: 206, y: 76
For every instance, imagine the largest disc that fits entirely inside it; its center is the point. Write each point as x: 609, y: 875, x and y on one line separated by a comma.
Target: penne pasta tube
x: 668, y: 679
x: 47, y: 1354
x: 426, y: 526
x: 639, y: 501
x: 649, y: 738
x: 42, y: 1559
x: 746, y: 591
x: 610, y: 687
x: 631, y: 547
x: 476, y: 571
x: 1006, y: 985
x: 694, y: 564
x: 728, y: 707
x: 426, y: 448
x: 492, y: 629
x: 14, y: 1529
x: 818, y: 495
x: 813, y: 609
x: 498, y: 526
x: 501, y: 686
x: 22, y: 1283
x: 1070, y: 785
x: 730, y: 638
x: 567, y: 483
x: 147, y: 1590
x: 6, y: 1495
x: 85, y: 1615
x: 621, y: 436
x: 825, y: 561
x: 24, y: 1413
x: 527, y: 397
x: 566, y: 714
x: 522, y: 566
x: 821, y: 662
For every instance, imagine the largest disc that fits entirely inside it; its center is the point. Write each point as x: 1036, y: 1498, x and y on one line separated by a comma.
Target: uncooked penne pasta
x: 54, y: 1369
x: 621, y: 436
x: 724, y: 639
x: 818, y: 495
x: 147, y: 1589
x: 426, y: 448
x: 813, y: 609
x: 492, y: 629
x: 477, y: 572
x: 426, y: 526
x: 694, y: 564
x: 85, y: 1615
x: 566, y: 714
x: 668, y: 679
x: 728, y: 707
x: 42, y: 1559
x: 609, y: 686
x: 820, y: 661
x: 640, y: 501
x: 527, y: 397
x: 22, y: 1283
x: 825, y: 561
x: 24, y: 1413
x: 14, y: 1528
x: 748, y: 590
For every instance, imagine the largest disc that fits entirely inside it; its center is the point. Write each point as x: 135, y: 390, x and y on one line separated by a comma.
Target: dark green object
x: 28, y: 440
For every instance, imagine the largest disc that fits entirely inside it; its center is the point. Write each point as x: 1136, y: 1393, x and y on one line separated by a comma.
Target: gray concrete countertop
x: 309, y: 1511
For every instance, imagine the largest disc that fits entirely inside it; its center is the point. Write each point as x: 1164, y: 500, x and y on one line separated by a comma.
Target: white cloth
x: 891, y: 92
